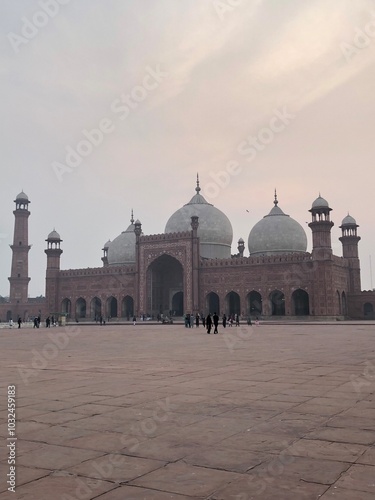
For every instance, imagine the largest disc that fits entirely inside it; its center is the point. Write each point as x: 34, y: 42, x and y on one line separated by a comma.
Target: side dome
x: 215, y: 230
x: 121, y: 250
x: 277, y: 233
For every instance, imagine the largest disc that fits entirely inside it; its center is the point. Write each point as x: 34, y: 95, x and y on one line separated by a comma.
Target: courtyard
x: 163, y: 412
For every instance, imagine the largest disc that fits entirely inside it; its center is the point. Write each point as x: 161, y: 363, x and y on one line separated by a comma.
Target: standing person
x: 35, y: 322
x: 216, y: 322
x: 209, y: 323
x: 224, y: 320
x: 197, y: 320
x: 48, y: 322
x: 237, y: 320
x: 204, y: 321
x: 19, y: 321
x: 134, y: 320
x: 10, y: 323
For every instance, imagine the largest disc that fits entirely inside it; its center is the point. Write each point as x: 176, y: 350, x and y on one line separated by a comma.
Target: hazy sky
x: 278, y: 93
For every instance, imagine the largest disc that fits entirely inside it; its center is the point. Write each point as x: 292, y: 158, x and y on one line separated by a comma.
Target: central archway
x: 164, y: 280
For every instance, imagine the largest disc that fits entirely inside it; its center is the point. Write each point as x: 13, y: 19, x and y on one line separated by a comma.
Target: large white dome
x: 215, y: 230
x: 277, y: 233
x: 122, y: 249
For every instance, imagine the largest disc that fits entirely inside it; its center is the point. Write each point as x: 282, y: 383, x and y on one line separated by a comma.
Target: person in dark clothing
x: 215, y: 318
x: 203, y: 321
x: 237, y: 320
x: 197, y: 320
x: 209, y: 323
x: 224, y: 320
x: 19, y: 322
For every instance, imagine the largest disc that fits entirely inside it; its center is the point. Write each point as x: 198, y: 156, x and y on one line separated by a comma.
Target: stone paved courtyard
x: 162, y: 412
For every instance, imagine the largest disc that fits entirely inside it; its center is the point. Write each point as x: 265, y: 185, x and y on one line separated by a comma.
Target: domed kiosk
x: 121, y: 250
x: 215, y: 230
x: 277, y: 233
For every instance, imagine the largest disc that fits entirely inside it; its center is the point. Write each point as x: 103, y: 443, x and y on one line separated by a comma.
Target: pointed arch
x: 95, y: 308
x: 300, y: 303
x: 277, y: 303
x: 66, y: 307
x: 254, y: 303
x: 232, y: 304
x: 127, y: 307
x: 111, y: 307
x: 81, y: 308
x: 212, y: 303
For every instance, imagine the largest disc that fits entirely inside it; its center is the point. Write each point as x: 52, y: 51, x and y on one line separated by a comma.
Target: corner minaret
x: 349, y: 240
x: 53, y: 252
x: 321, y: 226
x: 19, y: 280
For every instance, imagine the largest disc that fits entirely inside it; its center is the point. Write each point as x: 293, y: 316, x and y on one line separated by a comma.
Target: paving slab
x: 284, y: 411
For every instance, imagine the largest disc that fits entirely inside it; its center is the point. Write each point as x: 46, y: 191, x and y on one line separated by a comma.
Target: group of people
x: 212, y: 320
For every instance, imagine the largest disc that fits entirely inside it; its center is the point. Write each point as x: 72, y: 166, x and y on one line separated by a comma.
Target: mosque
x: 189, y: 269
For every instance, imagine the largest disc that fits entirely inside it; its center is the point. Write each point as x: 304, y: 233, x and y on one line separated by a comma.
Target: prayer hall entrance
x: 165, y: 287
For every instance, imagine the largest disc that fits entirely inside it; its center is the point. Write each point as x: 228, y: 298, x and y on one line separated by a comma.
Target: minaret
x: 139, y: 296
x: 321, y: 226
x: 53, y: 252
x: 19, y: 280
x: 349, y: 240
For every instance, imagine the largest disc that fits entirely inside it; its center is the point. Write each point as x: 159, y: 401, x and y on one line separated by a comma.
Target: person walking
x: 215, y: 318
x: 237, y: 320
x: 224, y: 320
x: 197, y: 320
x: 134, y: 320
x: 19, y: 321
x: 204, y: 321
x: 209, y: 323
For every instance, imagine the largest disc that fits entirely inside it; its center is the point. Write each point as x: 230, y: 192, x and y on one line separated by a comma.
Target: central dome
x: 214, y: 231
x: 277, y: 233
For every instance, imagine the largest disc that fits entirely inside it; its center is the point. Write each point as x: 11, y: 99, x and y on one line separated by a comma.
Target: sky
x: 113, y: 105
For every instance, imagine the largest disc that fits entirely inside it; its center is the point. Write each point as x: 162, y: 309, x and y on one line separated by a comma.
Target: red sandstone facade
x: 169, y: 277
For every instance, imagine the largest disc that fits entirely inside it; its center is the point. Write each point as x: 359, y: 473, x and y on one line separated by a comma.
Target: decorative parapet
x: 252, y: 261
x: 96, y: 271
x: 165, y: 236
